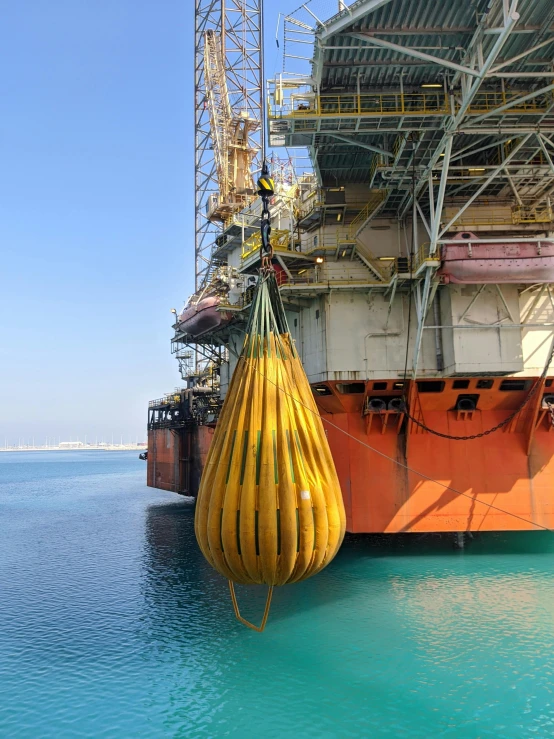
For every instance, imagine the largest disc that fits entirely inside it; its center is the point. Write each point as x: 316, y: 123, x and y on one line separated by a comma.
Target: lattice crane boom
x: 228, y: 113
x: 219, y: 107
x: 231, y: 129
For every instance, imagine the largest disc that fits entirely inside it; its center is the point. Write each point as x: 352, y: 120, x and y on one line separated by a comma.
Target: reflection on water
x: 113, y: 625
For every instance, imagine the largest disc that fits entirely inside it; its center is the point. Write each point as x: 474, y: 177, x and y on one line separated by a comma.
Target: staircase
x: 348, y: 238
x: 365, y: 255
x: 369, y: 211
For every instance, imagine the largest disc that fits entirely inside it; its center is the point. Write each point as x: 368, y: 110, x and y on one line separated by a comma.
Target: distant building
x: 71, y: 444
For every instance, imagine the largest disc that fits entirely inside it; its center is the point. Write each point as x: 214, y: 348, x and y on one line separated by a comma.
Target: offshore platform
x: 415, y: 256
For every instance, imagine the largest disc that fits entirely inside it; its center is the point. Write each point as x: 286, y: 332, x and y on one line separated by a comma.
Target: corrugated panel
x: 441, y: 29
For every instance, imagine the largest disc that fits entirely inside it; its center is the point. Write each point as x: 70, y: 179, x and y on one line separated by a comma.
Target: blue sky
x: 96, y: 209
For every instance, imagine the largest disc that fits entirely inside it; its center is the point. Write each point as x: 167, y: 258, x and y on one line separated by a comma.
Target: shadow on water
x: 486, y: 542
x: 180, y: 585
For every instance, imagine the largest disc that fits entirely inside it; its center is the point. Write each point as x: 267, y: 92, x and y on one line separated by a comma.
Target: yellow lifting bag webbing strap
x: 270, y: 508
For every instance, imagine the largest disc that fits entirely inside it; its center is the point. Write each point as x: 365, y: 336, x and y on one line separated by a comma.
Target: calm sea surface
x: 112, y: 625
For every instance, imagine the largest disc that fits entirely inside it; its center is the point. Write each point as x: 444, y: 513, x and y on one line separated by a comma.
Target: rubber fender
x: 465, y: 404
x: 396, y: 404
x: 376, y: 405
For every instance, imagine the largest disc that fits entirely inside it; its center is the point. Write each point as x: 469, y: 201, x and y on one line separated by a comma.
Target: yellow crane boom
x: 230, y: 133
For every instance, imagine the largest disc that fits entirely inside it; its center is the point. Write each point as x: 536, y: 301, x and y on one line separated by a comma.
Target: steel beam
x: 546, y: 139
x: 454, y: 30
x: 482, y: 326
x: 533, y: 304
x: 524, y: 75
x: 512, y: 104
x: 514, y: 189
x: 546, y: 153
x: 455, y: 121
x: 544, y: 194
x: 422, y: 313
x: 350, y: 17
x: 485, y: 184
x: 435, y: 224
x: 521, y: 56
x: 504, y: 303
x: 511, y: 20
x: 472, y: 302
x: 502, y: 129
x: 423, y: 218
x: 374, y: 41
x: 470, y: 150
x: 361, y: 144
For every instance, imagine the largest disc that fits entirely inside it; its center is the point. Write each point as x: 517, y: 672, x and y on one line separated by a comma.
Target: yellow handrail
x: 423, y: 255
x: 531, y: 215
x: 516, y: 216
x: 372, y: 204
x: 280, y: 241
x: 309, y: 105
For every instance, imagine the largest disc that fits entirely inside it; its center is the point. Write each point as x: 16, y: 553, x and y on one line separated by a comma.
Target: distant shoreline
x: 78, y: 449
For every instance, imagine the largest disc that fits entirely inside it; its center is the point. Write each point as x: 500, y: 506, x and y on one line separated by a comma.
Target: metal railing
x: 307, y: 208
x: 423, y: 254
x: 307, y: 105
x: 311, y: 277
x: 366, y: 209
x: 376, y: 199
x: 244, y: 219
x: 280, y: 241
x: 485, y: 101
x: 531, y: 215
x: 517, y: 216
x: 167, y: 400
x: 381, y: 104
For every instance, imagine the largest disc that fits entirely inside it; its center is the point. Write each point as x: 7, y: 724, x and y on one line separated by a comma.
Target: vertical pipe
x: 402, y: 91
x: 421, y: 320
x: 435, y: 225
x: 415, y: 247
x: 438, y: 332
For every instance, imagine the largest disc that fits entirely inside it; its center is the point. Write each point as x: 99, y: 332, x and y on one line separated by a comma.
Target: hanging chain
x: 266, y: 189
x: 498, y: 426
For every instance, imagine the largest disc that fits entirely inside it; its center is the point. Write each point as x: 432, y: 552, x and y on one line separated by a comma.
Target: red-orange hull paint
x: 176, y: 458
x: 372, y: 458
x: 382, y: 495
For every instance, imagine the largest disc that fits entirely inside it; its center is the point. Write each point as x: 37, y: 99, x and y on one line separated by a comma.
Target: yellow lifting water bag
x: 269, y: 508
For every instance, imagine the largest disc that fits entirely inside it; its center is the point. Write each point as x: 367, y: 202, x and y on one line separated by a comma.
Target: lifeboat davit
x: 204, y: 316
x: 474, y: 262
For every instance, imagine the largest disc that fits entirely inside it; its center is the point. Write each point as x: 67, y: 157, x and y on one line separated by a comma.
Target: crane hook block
x: 266, y: 186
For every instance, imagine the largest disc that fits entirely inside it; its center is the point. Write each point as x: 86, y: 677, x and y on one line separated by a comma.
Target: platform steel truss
x: 484, y: 134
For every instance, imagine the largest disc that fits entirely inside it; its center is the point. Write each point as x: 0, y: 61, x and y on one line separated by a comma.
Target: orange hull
x: 512, y: 468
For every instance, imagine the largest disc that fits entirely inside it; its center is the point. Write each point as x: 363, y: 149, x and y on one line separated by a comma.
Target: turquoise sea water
x: 112, y: 625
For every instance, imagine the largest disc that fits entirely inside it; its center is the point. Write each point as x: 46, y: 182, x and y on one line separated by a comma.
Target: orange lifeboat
x: 470, y: 260
x: 202, y: 317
